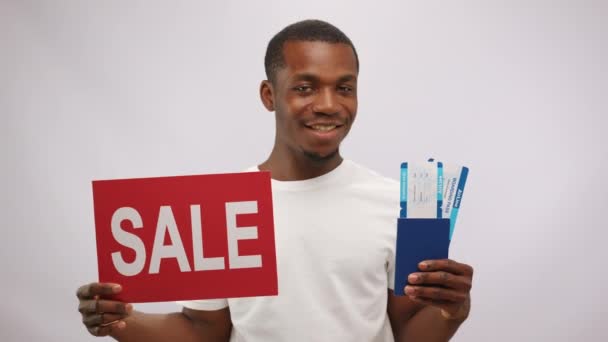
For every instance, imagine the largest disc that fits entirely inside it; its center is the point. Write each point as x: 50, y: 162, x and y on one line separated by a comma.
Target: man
x: 335, y: 228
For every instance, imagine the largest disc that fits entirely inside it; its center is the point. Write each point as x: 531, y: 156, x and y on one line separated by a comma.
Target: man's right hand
x: 100, y: 314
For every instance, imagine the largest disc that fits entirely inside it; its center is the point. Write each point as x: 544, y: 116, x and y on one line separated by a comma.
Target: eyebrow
x: 314, y: 78
x: 305, y: 77
x: 347, y: 78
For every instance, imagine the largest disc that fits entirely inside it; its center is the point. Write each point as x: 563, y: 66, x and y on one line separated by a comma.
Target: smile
x: 323, y: 128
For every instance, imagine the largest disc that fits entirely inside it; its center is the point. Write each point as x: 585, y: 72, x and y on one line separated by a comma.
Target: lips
x: 325, y: 133
x: 323, y: 126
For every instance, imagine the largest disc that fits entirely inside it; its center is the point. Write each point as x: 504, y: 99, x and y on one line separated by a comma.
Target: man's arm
x: 437, y: 301
x: 187, y: 326
x: 103, y: 316
x: 414, y: 322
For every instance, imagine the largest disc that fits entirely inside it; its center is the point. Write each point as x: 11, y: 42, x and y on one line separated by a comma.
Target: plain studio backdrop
x: 516, y: 90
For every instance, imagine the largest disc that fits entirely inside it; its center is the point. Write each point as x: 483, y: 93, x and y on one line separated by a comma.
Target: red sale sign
x: 186, y: 237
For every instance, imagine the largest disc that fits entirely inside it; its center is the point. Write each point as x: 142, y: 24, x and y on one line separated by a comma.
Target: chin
x: 320, y: 157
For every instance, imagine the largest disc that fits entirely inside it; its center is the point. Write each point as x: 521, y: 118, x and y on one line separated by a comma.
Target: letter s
x: 128, y: 240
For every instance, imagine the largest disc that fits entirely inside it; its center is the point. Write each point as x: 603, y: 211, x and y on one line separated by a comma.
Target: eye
x: 346, y: 89
x: 303, y: 89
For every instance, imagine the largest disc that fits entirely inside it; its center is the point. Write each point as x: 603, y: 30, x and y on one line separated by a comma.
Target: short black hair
x: 306, y: 30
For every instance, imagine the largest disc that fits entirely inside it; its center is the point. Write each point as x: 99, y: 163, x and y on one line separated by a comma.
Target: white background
x: 516, y: 90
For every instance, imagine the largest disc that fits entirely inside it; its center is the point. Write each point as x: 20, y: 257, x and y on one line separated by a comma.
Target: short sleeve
x: 205, y: 305
x: 390, y: 273
x: 390, y: 270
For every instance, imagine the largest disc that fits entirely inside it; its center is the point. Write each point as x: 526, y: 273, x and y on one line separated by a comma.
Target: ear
x: 267, y: 95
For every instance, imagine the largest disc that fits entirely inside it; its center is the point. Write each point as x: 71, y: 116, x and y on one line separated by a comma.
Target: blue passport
x: 419, y: 239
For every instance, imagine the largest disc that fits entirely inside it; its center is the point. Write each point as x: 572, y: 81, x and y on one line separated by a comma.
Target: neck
x: 287, y: 165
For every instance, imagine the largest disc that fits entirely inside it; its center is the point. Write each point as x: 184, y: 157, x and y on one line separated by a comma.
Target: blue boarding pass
x: 439, y: 188
x: 432, y: 190
x: 455, y: 179
x: 421, y: 190
x: 403, y: 190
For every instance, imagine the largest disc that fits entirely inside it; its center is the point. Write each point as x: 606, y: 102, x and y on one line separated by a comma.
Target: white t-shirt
x: 335, y: 240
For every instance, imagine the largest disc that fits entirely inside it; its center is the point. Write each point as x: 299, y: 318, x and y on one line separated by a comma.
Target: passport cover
x: 419, y: 239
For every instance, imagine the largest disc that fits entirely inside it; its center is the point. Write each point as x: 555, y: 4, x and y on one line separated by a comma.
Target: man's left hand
x: 445, y: 284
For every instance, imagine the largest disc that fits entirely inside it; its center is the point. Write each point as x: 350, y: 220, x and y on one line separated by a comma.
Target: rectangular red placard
x: 186, y: 237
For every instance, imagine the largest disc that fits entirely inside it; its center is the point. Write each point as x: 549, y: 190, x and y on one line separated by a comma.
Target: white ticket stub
x: 422, y: 190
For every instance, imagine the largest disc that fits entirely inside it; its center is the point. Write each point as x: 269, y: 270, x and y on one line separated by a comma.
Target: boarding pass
x: 432, y: 190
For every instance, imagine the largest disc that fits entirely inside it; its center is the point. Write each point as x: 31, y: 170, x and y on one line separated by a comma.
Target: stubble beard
x: 318, y: 158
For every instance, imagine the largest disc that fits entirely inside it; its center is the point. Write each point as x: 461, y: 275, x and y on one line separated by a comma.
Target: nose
x: 326, y: 102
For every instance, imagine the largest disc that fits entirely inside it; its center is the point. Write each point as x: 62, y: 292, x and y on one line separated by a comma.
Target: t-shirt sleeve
x: 390, y: 271
x: 205, y: 304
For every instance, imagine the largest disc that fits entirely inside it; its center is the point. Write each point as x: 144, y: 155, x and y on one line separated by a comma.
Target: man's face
x: 315, y: 97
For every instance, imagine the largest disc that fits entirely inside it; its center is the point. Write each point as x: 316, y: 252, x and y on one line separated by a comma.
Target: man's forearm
x: 429, y: 325
x: 143, y: 327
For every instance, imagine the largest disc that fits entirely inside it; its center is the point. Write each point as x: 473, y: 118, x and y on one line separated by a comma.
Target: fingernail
x: 129, y: 308
x: 121, y: 325
x: 413, y: 278
x: 424, y: 265
x: 116, y: 288
x: 409, y: 290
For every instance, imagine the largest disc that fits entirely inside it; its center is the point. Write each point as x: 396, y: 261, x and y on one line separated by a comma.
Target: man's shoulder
x: 373, y: 182
x: 376, y: 191
x: 367, y: 175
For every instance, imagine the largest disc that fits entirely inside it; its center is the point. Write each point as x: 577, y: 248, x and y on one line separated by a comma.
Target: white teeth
x: 323, y: 128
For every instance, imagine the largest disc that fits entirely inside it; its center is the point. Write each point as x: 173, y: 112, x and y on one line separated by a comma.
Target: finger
x: 436, y: 293
x: 107, y: 329
x: 105, y: 306
x: 101, y: 319
x: 442, y: 304
x: 97, y: 289
x: 427, y: 301
x: 447, y: 265
x: 442, y: 278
